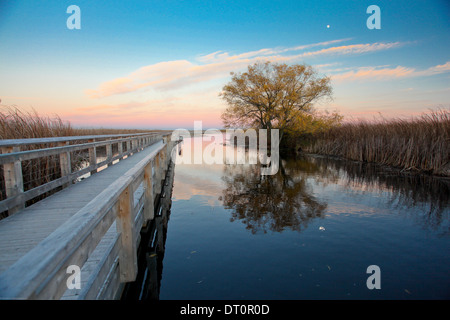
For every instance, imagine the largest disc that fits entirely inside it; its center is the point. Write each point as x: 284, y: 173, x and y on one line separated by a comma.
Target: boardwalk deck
x: 22, y: 232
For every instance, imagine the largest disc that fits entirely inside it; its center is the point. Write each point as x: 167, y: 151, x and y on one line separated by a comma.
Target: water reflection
x: 275, y: 202
x: 290, y: 199
x: 430, y: 194
x: 362, y: 206
x: 287, y: 199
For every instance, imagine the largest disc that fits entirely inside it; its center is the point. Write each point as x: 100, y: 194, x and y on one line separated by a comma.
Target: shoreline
x: 384, y: 167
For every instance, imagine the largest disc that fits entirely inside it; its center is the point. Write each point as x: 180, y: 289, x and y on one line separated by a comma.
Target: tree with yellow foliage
x: 277, y: 96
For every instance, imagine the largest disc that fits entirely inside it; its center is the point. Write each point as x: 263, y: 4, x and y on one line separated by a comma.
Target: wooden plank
x: 65, y: 163
x: 19, y: 142
x: 38, y: 153
x: 138, y: 214
x: 138, y: 180
x: 93, y: 157
x: 12, y: 173
x: 32, y: 193
x: 120, y: 149
x: 149, y: 210
x: 20, y: 198
x: 113, y: 287
x: 125, y: 227
x: 52, y: 288
x: 97, y: 269
x: 41, y: 272
x: 109, y: 154
x: 20, y: 281
x: 158, y: 174
x: 138, y: 223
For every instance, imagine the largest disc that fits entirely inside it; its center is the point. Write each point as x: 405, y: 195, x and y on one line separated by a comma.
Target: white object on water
x: 321, y: 228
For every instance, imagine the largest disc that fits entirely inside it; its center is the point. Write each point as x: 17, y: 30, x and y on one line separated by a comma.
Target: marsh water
x: 308, y: 232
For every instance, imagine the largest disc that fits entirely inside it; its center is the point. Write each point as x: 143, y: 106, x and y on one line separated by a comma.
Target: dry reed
x: 418, y: 144
x: 16, y: 123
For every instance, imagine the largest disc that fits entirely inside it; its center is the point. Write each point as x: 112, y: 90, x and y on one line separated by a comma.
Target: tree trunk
x: 281, y: 135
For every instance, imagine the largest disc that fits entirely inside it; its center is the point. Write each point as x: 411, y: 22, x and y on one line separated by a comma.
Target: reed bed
x: 418, y: 144
x: 16, y: 123
x: 19, y: 124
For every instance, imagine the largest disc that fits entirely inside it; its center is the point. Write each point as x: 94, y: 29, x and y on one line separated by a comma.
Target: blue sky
x: 162, y: 64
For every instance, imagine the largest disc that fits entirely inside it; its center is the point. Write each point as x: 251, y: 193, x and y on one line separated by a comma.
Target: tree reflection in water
x: 287, y: 200
x: 275, y: 202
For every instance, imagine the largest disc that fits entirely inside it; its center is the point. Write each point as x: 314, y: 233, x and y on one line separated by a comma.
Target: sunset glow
x: 162, y: 65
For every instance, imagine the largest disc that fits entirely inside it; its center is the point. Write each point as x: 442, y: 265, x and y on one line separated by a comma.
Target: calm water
x: 308, y: 232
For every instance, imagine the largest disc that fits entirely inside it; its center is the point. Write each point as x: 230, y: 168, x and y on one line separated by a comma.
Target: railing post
x: 166, y: 154
x: 64, y: 161
x: 158, y: 173
x: 149, y: 210
x: 92, y: 156
x: 120, y: 149
x: 109, y: 153
x: 12, y: 173
x: 125, y: 226
x: 164, y: 163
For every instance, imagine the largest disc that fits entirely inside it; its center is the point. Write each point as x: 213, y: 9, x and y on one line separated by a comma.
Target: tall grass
x: 418, y: 144
x: 16, y: 123
x: 19, y: 124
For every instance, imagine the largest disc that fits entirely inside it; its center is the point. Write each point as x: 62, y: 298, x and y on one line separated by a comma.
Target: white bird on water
x: 322, y: 228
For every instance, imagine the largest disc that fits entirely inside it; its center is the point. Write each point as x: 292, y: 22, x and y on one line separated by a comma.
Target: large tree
x: 272, y: 95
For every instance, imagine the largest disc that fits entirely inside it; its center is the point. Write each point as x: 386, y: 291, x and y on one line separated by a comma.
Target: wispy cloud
x: 385, y: 73
x: 354, y: 49
x: 443, y: 68
x: 172, y: 75
x: 221, y: 56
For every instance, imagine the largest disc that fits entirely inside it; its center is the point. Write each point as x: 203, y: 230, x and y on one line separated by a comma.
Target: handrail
x: 37, y: 153
x: 12, y: 159
x: 41, y: 273
x: 29, y: 141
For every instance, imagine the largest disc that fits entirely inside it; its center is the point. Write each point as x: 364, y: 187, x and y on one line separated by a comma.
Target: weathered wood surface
x: 12, y: 157
x: 96, y: 220
x: 151, y: 252
x: 19, y: 142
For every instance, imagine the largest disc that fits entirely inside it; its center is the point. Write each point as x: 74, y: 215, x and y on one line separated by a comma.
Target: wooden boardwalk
x: 93, y: 224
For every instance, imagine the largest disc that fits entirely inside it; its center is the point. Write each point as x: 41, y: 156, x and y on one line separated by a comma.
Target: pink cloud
x: 374, y: 73
x: 443, y: 68
x: 115, y: 86
x: 172, y: 75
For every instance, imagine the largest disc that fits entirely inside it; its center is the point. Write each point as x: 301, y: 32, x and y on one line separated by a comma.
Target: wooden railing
x: 128, y: 202
x: 13, y: 154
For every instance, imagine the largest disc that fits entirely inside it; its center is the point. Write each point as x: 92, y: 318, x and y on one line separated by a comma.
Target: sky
x: 162, y: 64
